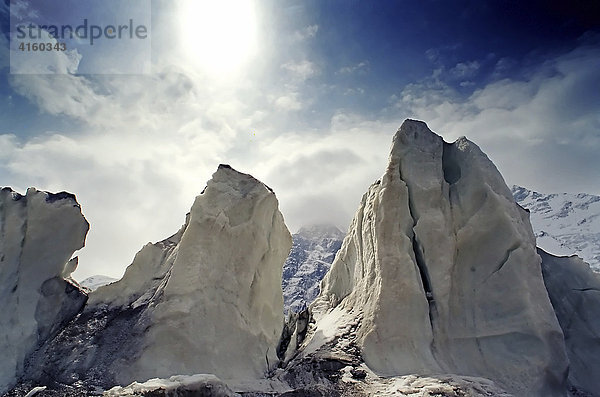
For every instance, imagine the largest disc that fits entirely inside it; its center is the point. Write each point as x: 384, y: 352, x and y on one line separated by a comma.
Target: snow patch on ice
x: 178, y: 385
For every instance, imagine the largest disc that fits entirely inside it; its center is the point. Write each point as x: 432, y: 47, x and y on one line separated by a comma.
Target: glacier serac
x: 39, y: 232
x: 206, y: 300
x: 225, y: 280
x: 574, y: 290
x: 564, y: 223
x: 439, y: 273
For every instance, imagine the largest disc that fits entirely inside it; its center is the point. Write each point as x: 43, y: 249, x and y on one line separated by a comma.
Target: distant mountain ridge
x: 94, y: 282
x: 564, y: 223
x: 313, y: 250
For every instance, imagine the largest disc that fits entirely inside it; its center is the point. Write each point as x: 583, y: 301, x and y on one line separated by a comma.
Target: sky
x: 304, y: 95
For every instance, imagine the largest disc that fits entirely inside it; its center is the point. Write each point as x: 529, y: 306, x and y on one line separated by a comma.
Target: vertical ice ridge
x: 37, y: 239
x: 445, y: 222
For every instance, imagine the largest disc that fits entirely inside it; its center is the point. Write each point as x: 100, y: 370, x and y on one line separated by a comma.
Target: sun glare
x: 218, y: 35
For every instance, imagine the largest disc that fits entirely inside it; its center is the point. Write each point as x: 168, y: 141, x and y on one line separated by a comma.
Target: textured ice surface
x: 38, y: 234
x: 446, y: 385
x: 206, y: 300
x: 223, y: 293
x: 575, y: 294
x: 440, y: 268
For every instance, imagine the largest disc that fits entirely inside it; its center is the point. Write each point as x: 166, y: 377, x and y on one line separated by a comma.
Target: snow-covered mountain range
x: 313, y: 250
x: 564, y: 224
x: 94, y: 282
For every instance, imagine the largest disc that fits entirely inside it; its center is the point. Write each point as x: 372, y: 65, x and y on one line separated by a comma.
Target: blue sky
x: 304, y: 95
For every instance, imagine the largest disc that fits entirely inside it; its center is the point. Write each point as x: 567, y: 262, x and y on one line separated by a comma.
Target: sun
x: 218, y: 35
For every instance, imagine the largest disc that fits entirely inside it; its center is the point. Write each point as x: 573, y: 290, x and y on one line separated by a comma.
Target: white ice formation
x: 39, y: 232
x: 221, y: 286
x: 205, y: 300
x: 439, y: 273
x: 574, y: 290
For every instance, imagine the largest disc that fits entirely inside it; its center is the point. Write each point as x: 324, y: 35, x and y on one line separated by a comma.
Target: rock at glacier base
x: 333, y: 366
x: 574, y: 290
x: 440, y: 273
x: 39, y: 232
x: 205, y: 300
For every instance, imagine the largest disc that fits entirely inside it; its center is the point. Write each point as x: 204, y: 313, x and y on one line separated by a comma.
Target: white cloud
x: 21, y: 9
x: 464, y: 70
x: 307, y: 33
x: 439, y: 55
x: 503, y: 66
x: 288, y: 102
x: 432, y: 54
x: 354, y: 91
x: 136, y: 186
x: 58, y: 94
x: 301, y: 70
x: 360, y: 67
